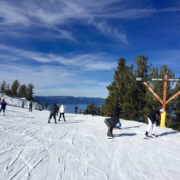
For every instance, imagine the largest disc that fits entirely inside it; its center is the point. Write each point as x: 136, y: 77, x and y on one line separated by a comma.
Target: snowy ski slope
x: 77, y: 149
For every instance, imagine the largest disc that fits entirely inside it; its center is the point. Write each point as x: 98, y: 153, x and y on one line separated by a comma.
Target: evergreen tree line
x: 135, y: 100
x: 18, y: 90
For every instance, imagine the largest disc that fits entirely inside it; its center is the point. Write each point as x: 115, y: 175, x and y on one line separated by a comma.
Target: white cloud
x: 54, y: 74
x: 53, y: 80
x: 90, y: 62
x: 52, y: 13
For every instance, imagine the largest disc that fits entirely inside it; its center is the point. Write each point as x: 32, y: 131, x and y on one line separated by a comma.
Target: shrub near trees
x: 135, y: 100
x: 17, y: 90
x: 92, y: 109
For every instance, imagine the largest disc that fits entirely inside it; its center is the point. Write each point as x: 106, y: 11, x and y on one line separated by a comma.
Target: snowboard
x: 109, y: 138
x: 151, y: 137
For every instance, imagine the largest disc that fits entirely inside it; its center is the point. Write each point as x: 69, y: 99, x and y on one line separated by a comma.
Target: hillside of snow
x: 78, y: 149
x: 17, y: 101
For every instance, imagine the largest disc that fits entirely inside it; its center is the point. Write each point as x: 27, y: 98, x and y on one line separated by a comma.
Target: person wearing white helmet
x: 153, y: 117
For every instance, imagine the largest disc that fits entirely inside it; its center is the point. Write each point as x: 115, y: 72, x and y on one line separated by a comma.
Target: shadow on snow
x: 168, y: 133
x: 125, y: 134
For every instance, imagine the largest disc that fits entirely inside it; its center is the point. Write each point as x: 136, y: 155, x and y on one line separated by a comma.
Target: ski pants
x: 151, y: 126
x: 62, y: 115
x: 110, y: 125
x: 3, y: 110
x: 52, y: 115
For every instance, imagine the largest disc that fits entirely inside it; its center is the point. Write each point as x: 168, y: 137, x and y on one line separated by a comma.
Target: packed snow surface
x: 78, y: 149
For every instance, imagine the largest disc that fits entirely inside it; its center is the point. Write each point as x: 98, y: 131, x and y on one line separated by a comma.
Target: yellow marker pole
x: 163, y: 119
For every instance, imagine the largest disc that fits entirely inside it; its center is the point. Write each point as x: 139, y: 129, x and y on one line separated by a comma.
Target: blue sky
x: 71, y: 47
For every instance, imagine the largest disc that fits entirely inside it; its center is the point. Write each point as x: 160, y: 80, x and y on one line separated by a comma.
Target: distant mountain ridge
x: 69, y: 100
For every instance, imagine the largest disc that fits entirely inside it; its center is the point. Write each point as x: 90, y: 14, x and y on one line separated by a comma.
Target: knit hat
x: 161, y: 110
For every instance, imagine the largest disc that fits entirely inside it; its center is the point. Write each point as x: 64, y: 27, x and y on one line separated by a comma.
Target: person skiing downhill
x: 112, y: 122
x: 61, y: 110
x: 3, y: 106
x: 53, y: 112
x: 153, y: 118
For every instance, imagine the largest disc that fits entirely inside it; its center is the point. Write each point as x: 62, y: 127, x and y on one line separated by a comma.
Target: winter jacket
x: 111, y: 122
x: 3, y: 105
x: 30, y: 104
x: 53, y: 109
x: 61, y: 109
x: 154, y: 116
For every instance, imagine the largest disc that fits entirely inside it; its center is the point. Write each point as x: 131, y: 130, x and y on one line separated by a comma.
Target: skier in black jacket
x: 153, y: 118
x: 53, y: 112
x: 111, y: 122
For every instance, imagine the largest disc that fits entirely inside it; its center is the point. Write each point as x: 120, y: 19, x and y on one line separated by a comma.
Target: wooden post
x: 164, y: 101
x: 152, y: 91
x: 165, y: 92
x: 178, y: 93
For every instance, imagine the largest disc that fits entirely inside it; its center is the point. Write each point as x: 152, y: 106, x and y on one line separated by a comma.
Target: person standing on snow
x: 53, y: 112
x: 76, y: 109
x: 153, y: 118
x: 61, y: 110
x: 57, y: 108
x: 30, y: 106
x: 3, y: 106
x: 22, y: 104
x: 112, y: 122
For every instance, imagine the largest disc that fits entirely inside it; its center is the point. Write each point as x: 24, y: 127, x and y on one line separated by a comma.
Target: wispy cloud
x: 58, y: 80
x: 58, y: 13
x: 90, y: 62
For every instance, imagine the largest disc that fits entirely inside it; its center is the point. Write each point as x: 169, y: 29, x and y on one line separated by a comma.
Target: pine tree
x: 92, y: 109
x: 122, y: 92
x: 141, y: 92
x: 14, y: 88
x: 22, y: 91
x: 8, y: 90
x: 29, y: 92
x: 3, y: 87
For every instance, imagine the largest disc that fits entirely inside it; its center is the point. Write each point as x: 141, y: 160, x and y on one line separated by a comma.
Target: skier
x: 30, y: 106
x: 61, y: 110
x: 76, y: 109
x: 3, y: 106
x: 153, y: 118
x: 53, y: 112
x: 57, y: 108
x: 22, y: 104
x: 112, y: 122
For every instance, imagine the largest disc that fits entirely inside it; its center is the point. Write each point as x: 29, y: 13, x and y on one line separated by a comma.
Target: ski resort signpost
x: 162, y: 101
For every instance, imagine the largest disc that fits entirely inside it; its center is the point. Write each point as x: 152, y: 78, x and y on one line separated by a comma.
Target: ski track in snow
x: 32, y: 149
